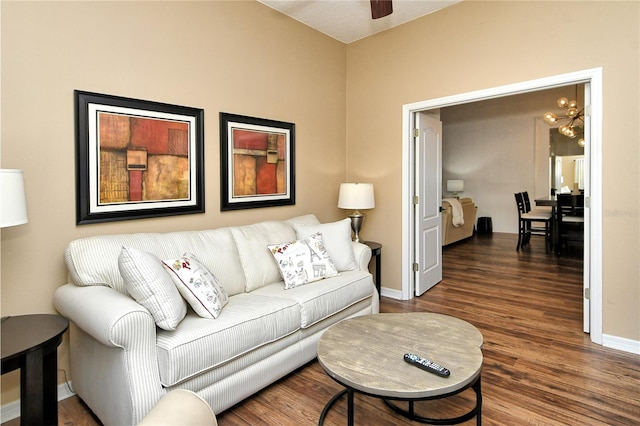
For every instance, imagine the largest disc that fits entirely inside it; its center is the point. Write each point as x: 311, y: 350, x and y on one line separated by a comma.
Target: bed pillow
x: 197, y: 285
x: 337, y: 239
x: 147, y: 281
x: 303, y: 261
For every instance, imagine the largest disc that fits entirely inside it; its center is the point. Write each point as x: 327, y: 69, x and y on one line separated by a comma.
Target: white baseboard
x: 11, y: 410
x: 621, y: 344
x: 391, y: 293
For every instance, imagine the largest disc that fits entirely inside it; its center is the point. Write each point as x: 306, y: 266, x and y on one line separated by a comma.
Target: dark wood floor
x: 539, y: 367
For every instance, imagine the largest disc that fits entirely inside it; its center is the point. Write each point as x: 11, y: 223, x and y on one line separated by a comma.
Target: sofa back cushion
x: 252, y: 241
x: 337, y: 240
x: 94, y: 260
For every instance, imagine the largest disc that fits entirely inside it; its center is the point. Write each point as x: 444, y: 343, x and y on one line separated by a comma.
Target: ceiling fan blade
x: 381, y: 8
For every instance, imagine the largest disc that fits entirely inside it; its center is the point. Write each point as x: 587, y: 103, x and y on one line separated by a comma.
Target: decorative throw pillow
x: 303, y: 261
x: 337, y: 238
x: 146, y: 280
x: 197, y: 285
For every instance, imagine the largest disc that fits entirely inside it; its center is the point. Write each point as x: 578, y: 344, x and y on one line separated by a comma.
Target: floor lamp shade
x: 13, y: 206
x: 356, y: 196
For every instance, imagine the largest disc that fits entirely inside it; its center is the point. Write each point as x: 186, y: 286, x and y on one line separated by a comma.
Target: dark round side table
x: 376, y: 253
x: 30, y: 343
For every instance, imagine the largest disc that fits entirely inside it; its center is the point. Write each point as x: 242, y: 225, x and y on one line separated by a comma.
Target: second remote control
x: 426, y: 365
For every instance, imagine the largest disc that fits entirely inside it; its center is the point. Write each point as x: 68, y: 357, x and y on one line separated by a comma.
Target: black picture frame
x: 136, y: 159
x: 257, y: 162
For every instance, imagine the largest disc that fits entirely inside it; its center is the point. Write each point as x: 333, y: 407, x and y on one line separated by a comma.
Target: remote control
x: 426, y: 365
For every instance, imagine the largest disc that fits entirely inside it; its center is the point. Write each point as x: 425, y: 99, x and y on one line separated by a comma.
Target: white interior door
x: 428, y: 155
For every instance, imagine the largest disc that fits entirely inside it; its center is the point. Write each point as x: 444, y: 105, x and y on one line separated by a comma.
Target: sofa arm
x: 104, y: 313
x: 114, y: 360
x: 362, y: 254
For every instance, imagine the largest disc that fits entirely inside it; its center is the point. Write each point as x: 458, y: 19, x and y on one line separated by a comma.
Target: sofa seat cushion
x: 247, y: 322
x: 322, y: 299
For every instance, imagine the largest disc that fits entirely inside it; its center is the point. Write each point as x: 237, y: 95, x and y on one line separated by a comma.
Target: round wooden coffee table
x: 365, y: 355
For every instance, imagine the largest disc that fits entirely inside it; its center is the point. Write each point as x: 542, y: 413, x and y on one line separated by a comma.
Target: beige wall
x: 238, y: 57
x: 477, y: 45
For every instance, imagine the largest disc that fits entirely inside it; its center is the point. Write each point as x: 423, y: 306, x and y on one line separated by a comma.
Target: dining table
x: 547, y: 201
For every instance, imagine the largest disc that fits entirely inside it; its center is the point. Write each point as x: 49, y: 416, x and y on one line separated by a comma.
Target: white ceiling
x: 350, y: 20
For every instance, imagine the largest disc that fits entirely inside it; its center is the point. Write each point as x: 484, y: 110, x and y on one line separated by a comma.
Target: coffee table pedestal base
x: 410, y: 412
x: 475, y: 412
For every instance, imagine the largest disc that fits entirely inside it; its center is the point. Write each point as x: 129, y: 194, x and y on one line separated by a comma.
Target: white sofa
x: 122, y: 363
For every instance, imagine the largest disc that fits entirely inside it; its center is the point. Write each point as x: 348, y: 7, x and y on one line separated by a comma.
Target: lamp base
x: 357, y: 219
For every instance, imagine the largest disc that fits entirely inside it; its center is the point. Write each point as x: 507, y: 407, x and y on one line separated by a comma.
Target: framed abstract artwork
x: 257, y: 162
x: 137, y: 159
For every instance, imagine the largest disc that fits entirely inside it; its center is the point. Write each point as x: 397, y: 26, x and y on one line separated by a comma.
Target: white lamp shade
x: 13, y: 206
x: 455, y: 185
x: 356, y: 196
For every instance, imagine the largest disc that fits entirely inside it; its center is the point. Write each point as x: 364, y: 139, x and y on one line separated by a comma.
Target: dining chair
x: 569, y: 220
x: 538, y: 211
x: 526, y: 221
x: 527, y: 205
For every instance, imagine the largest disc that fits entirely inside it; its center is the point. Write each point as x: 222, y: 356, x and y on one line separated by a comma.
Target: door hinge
x: 587, y: 202
x: 587, y: 293
x: 416, y: 200
x: 415, y: 267
x: 587, y: 110
x: 416, y: 133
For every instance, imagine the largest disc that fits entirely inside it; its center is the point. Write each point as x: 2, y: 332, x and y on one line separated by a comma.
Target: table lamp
x: 455, y: 186
x: 13, y: 207
x: 356, y: 196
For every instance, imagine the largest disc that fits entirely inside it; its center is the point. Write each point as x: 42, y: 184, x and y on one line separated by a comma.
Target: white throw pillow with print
x: 197, y: 285
x: 337, y: 239
x: 303, y: 261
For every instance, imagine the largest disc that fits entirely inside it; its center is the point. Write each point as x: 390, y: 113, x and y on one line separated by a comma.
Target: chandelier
x: 572, y: 115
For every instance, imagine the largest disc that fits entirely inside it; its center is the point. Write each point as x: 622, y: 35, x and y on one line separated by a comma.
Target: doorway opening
x: 592, y: 79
